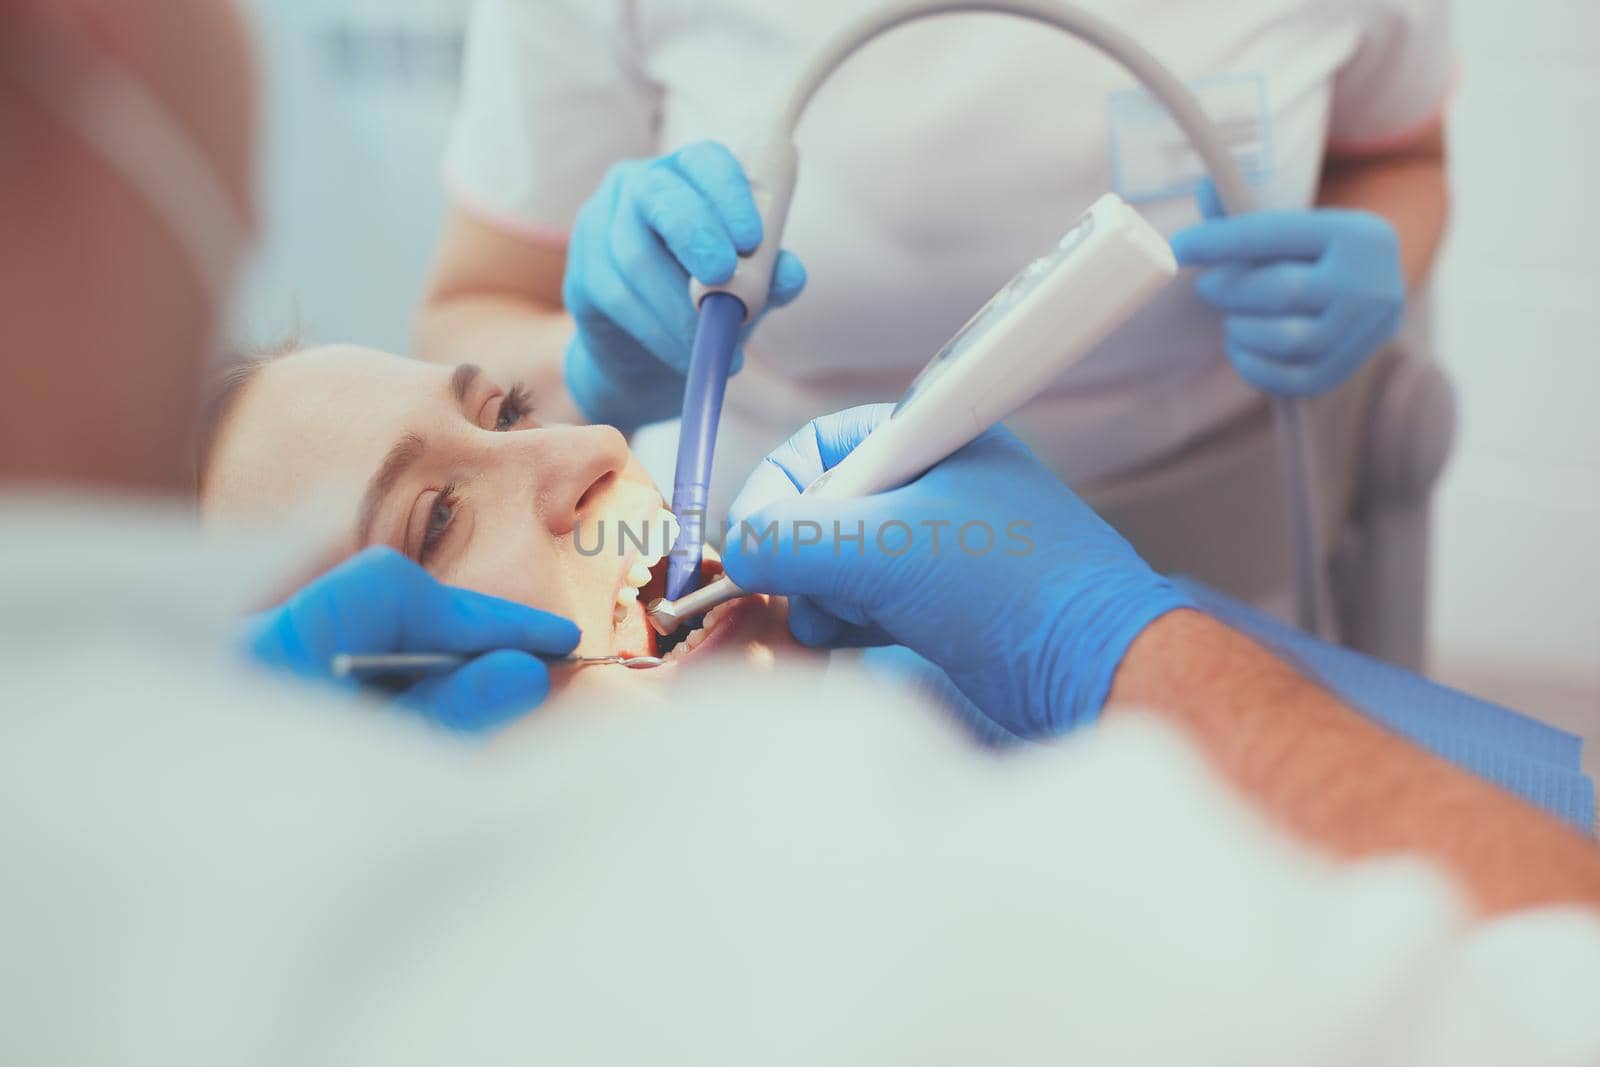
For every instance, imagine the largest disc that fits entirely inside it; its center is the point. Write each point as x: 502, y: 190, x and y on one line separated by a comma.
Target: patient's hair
x: 223, y: 394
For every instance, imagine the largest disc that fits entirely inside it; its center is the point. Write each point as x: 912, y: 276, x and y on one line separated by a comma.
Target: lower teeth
x: 676, y: 645
x: 672, y: 646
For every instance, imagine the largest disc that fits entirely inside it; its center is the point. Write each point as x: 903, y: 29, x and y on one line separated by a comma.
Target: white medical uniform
x: 202, y: 866
x: 935, y: 164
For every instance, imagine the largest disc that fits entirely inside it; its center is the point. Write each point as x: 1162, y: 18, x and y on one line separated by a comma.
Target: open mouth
x: 685, y: 640
x: 645, y: 580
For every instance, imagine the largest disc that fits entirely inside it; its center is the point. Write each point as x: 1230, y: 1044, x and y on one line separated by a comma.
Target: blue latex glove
x: 1306, y: 296
x: 380, y: 601
x: 1031, y: 630
x: 650, y: 225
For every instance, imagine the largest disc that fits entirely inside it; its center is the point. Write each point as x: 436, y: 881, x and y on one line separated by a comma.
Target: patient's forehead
x: 317, y: 422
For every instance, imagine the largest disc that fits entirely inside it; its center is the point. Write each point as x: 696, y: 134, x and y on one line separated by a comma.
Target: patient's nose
x: 567, y: 464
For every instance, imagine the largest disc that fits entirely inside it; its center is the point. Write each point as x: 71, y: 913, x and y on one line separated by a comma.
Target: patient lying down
x: 452, y: 469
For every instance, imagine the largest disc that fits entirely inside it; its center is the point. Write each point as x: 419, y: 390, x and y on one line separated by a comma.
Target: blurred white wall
x: 359, y: 97
x: 1517, y: 581
x: 357, y: 104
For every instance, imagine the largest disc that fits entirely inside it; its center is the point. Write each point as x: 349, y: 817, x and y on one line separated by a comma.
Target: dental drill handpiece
x: 1108, y: 266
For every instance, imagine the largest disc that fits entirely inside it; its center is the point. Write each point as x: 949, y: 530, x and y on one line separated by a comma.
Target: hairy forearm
x: 1340, y: 782
x: 1408, y: 187
x: 511, y: 338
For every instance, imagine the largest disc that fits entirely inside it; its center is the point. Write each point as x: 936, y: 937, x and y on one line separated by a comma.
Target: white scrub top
x: 940, y: 160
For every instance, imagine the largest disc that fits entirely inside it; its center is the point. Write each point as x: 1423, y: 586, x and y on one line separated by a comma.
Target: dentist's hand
x: 380, y: 601
x: 987, y: 565
x: 1306, y: 296
x: 651, y: 225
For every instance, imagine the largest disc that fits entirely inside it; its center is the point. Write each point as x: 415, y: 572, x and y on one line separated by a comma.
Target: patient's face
x: 451, y: 468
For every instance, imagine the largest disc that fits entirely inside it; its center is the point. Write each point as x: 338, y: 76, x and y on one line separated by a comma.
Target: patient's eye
x: 440, y: 515
x: 514, y: 407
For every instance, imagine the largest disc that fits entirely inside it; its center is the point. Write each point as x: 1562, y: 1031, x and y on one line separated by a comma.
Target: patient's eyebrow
x: 400, y: 459
x: 465, y: 374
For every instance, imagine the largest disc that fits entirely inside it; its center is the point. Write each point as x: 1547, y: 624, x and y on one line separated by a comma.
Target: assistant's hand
x: 650, y: 225
x: 987, y: 565
x: 1306, y: 296
x: 380, y: 601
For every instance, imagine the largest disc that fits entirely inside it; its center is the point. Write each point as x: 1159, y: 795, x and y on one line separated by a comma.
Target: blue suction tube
x: 716, y: 336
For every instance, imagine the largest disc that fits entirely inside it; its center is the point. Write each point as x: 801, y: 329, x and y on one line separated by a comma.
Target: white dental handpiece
x: 1043, y: 321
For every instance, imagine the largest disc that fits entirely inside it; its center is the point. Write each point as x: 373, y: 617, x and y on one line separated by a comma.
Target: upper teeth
x: 659, y: 536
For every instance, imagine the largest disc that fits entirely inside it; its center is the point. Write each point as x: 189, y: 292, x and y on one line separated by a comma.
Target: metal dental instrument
x: 1044, y: 320
x: 667, y: 616
x: 361, y: 666
x: 772, y: 168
